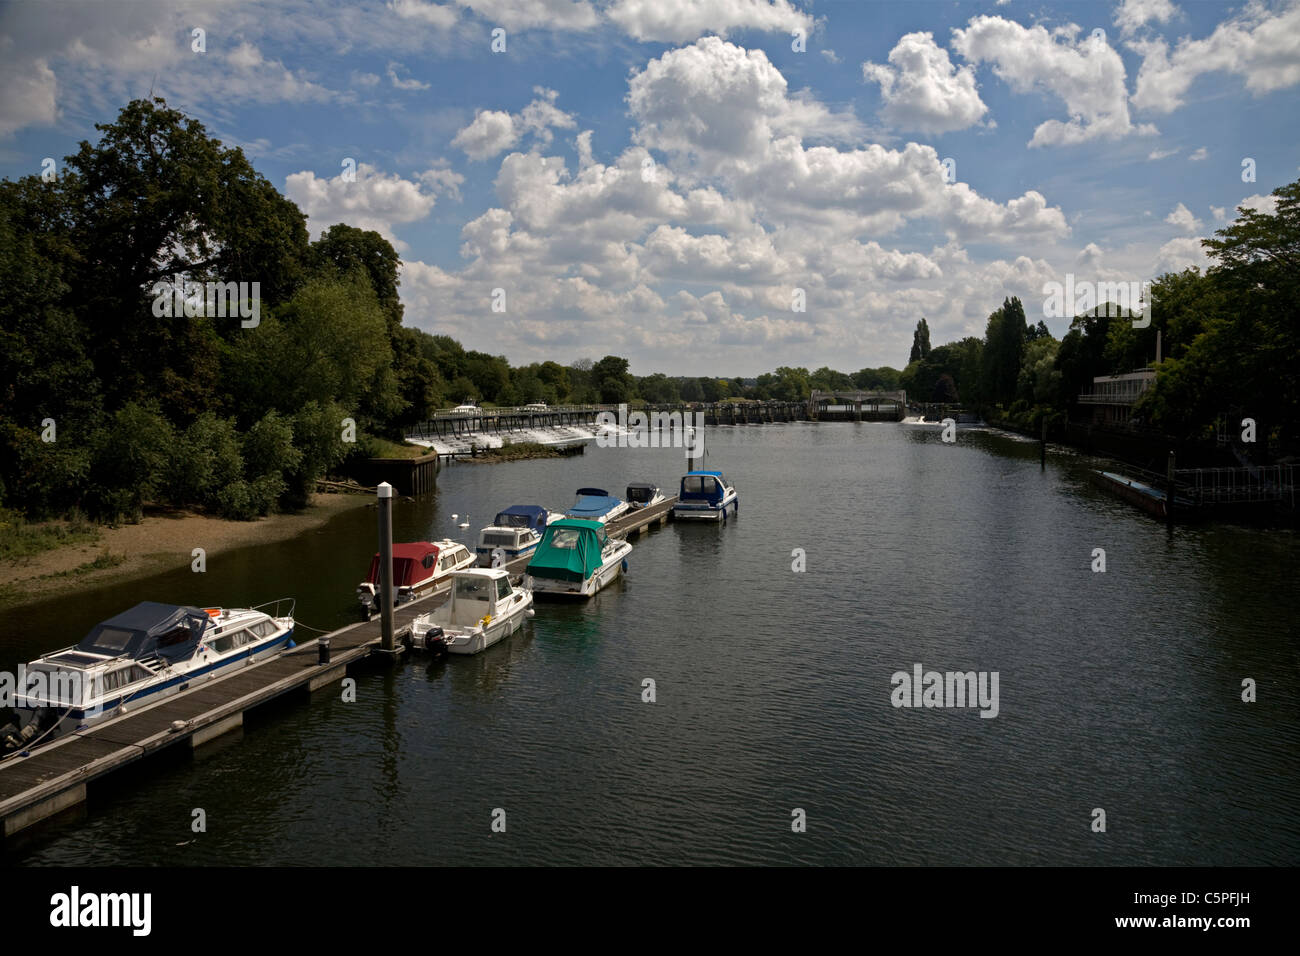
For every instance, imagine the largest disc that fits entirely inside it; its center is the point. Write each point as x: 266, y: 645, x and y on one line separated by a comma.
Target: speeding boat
x: 418, y: 568
x: 514, y: 532
x: 576, y: 559
x: 595, y: 504
x: 141, y: 656
x: 642, y: 494
x: 483, y: 608
x: 705, y: 495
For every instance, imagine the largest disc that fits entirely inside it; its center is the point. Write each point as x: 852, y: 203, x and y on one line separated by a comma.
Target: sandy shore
x: 156, y: 543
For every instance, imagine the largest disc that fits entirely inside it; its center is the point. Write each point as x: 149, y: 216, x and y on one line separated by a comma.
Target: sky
x: 707, y: 187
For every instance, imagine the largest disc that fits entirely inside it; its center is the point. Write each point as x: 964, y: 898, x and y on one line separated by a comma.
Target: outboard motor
x: 434, y: 641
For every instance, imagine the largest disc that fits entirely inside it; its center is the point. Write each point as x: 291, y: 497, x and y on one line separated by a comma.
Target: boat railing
x: 278, y: 605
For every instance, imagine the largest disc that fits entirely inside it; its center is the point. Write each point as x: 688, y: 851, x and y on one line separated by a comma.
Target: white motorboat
x: 705, y: 495
x: 137, y: 658
x: 576, y: 559
x: 418, y: 567
x: 643, y: 494
x: 596, y: 504
x: 482, y: 609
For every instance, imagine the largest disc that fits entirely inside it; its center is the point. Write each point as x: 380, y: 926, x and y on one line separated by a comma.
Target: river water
x: 1119, y: 691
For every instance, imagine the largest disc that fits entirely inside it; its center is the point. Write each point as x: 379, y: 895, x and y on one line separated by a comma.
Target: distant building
x: 1112, y: 397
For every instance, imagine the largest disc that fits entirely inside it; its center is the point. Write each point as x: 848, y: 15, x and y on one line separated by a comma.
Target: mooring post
x: 1169, y: 491
x: 385, y: 492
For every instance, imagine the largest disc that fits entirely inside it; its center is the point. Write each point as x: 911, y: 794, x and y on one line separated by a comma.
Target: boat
x: 705, y: 495
x: 643, y: 494
x: 514, y: 532
x: 482, y: 609
x: 595, y: 504
x: 418, y: 567
x: 576, y: 559
x: 146, y: 654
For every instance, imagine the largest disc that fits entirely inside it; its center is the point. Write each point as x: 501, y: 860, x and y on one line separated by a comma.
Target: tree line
x: 108, y: 402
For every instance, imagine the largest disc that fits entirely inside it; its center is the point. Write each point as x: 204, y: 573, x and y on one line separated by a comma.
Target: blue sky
x: 657, y: 178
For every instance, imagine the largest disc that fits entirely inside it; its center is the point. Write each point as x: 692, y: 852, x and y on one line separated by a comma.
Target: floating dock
x: 55, y: 777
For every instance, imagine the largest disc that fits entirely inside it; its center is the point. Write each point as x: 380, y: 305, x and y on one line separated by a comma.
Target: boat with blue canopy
x: 146, y: 654
x: 514, y: 533
x: 576, y: 559
x: 596, y: 504
x: 705, y: 495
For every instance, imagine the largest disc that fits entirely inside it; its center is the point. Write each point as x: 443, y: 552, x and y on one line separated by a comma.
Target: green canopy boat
x: 576, y: 557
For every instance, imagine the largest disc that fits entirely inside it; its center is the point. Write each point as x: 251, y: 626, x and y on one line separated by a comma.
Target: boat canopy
x: 570, y: 550
x: 522, y: 516
x: 412, y: 563
x: 168, y: 630
x: 703, y: 486
x: 592, y: 505
x: 641, y: 492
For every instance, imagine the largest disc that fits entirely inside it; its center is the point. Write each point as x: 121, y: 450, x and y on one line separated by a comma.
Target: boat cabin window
x: 448, y: 561
x: 511, y: 521
x: 231, y: 640
x: 428, y: 560
x: 473, y: 589
x: 503, y: 538
x: 566, y: 538
x: 263, y: 628
x: 121, y: 677
x: 698, y: 485
x: 503, y: 588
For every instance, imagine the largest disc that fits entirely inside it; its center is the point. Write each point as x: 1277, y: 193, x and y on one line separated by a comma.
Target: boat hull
x: 705, y: 511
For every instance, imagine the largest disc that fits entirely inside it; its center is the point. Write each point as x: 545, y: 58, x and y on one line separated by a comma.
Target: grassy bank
x: 515, y: 452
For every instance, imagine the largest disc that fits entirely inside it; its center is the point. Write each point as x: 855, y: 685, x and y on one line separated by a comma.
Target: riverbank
x: 520, y: 451
x: 164, y: 539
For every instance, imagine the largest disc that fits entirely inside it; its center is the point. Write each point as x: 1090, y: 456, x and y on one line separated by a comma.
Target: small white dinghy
x: 482, y: 609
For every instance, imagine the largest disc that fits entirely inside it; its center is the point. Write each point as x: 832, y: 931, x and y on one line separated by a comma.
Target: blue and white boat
x: 141, y: 656
x: 705, y: 495
x: 514, y: 532
x: 596, y: 504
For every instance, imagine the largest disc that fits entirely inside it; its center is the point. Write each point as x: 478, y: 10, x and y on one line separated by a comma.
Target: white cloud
x: 1086, y: 74
x: 441, y: 16
x: 1264, y: 204
x: 723, y: 112
x: 30, y: 97
x: 495, y: 131
x: 404, y: 83
x: 832, y: 56
x: 1199, y: 155
x: 1179, y: 254
x: 1259, y: 45
x: 1183, y: 218
x: 535, y: 14
x: 677, y: 21
x: 1132, y: 14
x: 375, y: 201
x: 491, y: 132
x: 1219, y: 213
x: 922, y: 90
x: 1162, y: 153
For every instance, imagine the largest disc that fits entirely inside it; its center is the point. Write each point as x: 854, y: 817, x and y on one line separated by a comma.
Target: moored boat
x: 705, y: 495
x: 514, y: 532
x: 576, y: 559
x: 146, y: 654
x: 482, y: 609
x: 643, y: 494
x: 596, y: 504
x: 418, y: 567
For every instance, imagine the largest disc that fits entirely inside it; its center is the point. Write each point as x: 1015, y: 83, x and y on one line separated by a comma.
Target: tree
x: 1004, y: 342
x: 920, y: 342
